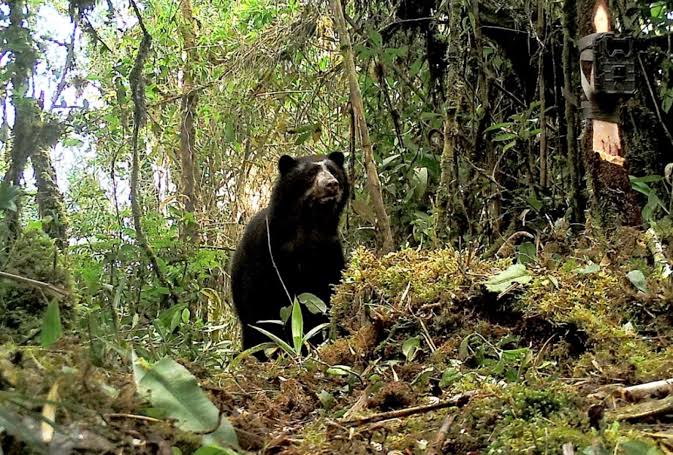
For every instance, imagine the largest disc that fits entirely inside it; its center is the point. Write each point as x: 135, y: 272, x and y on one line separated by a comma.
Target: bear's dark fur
x: 303, y: 217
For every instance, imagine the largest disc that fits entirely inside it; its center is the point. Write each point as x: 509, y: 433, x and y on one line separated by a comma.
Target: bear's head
x: 311, y: 186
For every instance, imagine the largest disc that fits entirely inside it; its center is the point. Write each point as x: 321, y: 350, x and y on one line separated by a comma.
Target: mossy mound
x: 33, y: 255
x: 426, y: 358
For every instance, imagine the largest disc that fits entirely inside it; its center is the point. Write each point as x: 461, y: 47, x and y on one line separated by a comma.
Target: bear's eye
x: 332, y: 169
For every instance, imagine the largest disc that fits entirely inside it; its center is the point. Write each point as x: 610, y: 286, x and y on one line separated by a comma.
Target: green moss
x: 33, y: 255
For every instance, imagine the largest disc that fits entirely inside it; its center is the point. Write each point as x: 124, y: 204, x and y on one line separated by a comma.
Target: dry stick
x: 55, y: 290
x: 441, y: 435
x: 373, y: 182
x: 641, y: 410
x: 459, y: 401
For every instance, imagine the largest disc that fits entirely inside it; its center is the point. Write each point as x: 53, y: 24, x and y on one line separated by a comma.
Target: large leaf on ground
x: 516, y: 273
x: 173, y: 389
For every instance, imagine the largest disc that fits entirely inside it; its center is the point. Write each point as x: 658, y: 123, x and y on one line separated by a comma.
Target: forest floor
x: 435, y: 352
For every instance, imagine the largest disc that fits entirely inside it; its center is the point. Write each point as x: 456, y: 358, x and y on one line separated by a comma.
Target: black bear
x: 301, y: 245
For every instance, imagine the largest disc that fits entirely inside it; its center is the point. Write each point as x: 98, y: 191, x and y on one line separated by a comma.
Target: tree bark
x: 188, y: 105
x: 34, y: 134
x: 373, y: 182
x: 573, y: 159
x: 544, y: 162
x: 614, y: 201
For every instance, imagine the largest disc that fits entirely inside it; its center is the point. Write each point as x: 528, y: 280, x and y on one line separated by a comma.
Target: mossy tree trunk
x: 614, y: 202
x: 34, y: 134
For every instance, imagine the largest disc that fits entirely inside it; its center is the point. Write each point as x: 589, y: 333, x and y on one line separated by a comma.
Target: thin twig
x: 273, y: 262
x: 55, y: 290
x: 441, y: 435
x: 459, y: 401
x: 120, y: 415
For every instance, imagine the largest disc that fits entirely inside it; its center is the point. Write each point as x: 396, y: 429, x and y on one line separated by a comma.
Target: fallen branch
x: 641, y: 410
x: 568, y: 449
x: 54, y: 290
x: 459, y: 401
x: 441, y: 435
x: 657, y: 389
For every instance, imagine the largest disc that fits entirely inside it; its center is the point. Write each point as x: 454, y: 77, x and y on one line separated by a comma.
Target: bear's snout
x: 326, y: 186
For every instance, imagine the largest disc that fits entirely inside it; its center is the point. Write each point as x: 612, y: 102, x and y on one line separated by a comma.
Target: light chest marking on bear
x: 325, y: 185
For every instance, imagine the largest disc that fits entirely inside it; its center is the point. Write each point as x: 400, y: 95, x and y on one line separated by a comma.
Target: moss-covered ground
x: 540, y: 364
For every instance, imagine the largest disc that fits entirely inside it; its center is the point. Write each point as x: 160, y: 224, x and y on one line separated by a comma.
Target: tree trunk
x: 544, y: 161
x: 33, y: 136
x: 50, y: 201
x: 188, y: 163
x: 614, y: 201
x: 373, y: 182
x: 573, y: 159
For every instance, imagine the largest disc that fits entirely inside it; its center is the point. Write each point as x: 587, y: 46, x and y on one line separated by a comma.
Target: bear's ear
x: 285, y: 164
x: 337, y: 157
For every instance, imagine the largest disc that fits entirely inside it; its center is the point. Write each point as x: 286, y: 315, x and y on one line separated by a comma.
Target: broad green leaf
x: 634, y: 447
x: 516, y: 273
x: 51, y: 325
x: 410, y: 347
x: 637, y: 278
x: 312, y: 303
x: 172, y: 388
x: 297, y: 326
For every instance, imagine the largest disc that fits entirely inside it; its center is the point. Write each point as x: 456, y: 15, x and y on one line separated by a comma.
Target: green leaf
x: 8, y: 195
x: 634, y: 447
x: 173, y: 389
x: 314, y: 331
x: 449, y: 376
x: 410, y: 347
x: 279, y: 342
x: 420, y: 181
x: 527, y: 253
x: 51, y: 325
x: 297, y: 326
x: 637, y: 279
x: 285, y: 313
x: 340, y: 370
x: 312, y: 303
x: 588, y: 269
x: 505, y: 137
x: 326, y: 399
x: 534, y: 202
x: 516, y: 273
x: 498, y: 126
